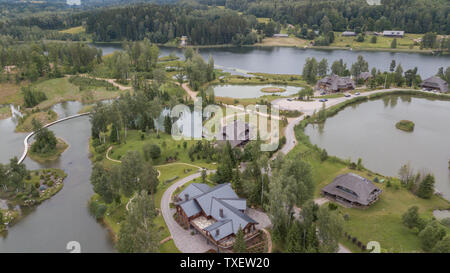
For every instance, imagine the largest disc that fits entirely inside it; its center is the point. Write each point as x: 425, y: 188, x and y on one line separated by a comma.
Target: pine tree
x: 239, y: 244
x: 426, y: 187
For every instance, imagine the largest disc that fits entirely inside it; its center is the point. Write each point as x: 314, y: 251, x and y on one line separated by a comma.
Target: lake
x: 290, y: 60
x: 251, y: 91
x: 368, y: 131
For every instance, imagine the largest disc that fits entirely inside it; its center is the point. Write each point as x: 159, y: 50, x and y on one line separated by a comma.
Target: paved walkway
x: 308, y: 108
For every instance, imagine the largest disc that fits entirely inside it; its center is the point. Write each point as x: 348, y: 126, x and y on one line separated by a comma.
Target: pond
x: 368, y: 131
x: 64, y: 217
x: 251, y: 91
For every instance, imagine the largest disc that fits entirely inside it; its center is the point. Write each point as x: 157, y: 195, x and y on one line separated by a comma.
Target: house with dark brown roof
x: 435, y: 83
x: 352, y: 190
x: 215, y: 212
x: 334, y: 83
x: 364, y: 76
x: 237, y: 132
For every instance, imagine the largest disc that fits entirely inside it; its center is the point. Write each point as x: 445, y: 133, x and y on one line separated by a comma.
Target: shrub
x: 332, y: 206
x: 446, y: 222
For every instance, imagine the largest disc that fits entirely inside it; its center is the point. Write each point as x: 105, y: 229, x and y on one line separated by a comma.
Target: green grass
x: 60, y: 90
x: 25, y: 124
x: 74, y: 30
x: 5, y: 112
x: 134, y: 142
x: 405, y: 125
x: 382, y: 221
x: 404, y: 43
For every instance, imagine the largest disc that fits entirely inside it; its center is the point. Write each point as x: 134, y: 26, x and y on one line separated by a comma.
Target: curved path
x: 309, y: 107
x: 25, y: 142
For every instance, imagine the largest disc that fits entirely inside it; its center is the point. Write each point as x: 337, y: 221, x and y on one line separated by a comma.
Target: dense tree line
x: 414, y: 16
x: 51, y: 60
x: 162, y: 23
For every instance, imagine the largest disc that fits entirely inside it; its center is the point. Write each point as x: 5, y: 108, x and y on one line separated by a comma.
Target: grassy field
x: 283, y: 41
x: 382, y: 221
x: 57, y: 90
x: 60, y: 90
x: 10, y: 94
x: 5, y: 111
x: 170, y: 149
x: 74, y: 30
x: 25, y: 124
x: 405, y: 43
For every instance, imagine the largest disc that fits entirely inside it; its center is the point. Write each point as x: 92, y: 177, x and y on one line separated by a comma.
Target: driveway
x: 182, y: 238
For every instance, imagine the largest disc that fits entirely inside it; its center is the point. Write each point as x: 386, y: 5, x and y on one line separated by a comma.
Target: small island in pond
x: 405, y: 125
x: 273, y: 90
x: 46, y: 146
x: 53, y: 154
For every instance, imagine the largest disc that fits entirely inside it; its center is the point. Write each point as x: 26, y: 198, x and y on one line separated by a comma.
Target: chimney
x: 217, y: 232
x: 221, y: 213
x: 186, y: 196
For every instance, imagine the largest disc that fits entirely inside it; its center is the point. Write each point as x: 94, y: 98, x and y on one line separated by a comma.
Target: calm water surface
x: 251, y: 91
x: 367, y: 131
x: 65, y: 216
x: 290, y: 60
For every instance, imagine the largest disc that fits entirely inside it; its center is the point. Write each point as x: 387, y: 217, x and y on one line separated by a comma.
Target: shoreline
x: 261, y: 45
x: 61, y: 147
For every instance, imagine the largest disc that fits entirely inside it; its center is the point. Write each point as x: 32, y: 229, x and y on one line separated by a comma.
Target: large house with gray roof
x: 215, y: 212
x: 435, y: 83
x: 334, y: 83
x: 352, y: 190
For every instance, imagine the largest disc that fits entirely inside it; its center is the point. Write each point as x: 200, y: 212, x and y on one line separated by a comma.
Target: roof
x: 354, y: 188
x: 220, y: 191
x: 335, y: 82
x: 348, y: 33
x: 190, y: 208
x: 364, y: 75
x: 193, y: 190
x: 224, y: 227
x: 436, y: 83
x: 216, y: 202
x: 280, y: 35
x: 393, y: 33
x: 239, y: 203
x: 236, y: 133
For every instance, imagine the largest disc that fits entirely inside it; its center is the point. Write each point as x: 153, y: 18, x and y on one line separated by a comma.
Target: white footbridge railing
x: 25, y: 142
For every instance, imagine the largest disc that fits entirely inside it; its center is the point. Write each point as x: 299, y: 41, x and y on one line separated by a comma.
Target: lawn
x: 404, y: 43
x: 382, y: 221
x: 60, y: 89
x: 10, y: 94
x: 74, y: 30
x: 283, y: 41
x: 25, y: 123
x: 5, y: 111
x: 171, y: 148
